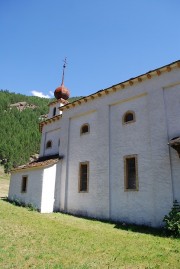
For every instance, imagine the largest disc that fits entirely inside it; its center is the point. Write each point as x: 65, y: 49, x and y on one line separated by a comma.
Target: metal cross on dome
x: 64, y: 66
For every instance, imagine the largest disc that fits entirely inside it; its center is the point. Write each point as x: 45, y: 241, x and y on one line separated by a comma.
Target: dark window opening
x: 131, y: 173
x: 129, y: 117
x: 49, y: 144
x: 85, y: 129
x: 24, y: 184
x: 54, y: 111
x: 83, y: 184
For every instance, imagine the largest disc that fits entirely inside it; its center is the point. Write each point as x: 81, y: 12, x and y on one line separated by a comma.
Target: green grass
x: 29, y: 239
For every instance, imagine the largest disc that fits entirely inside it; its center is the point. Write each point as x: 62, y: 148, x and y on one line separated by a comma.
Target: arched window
x: 49, y: 144
x: 85, y: 128
x: 128, y: 117
x: 54, y: 111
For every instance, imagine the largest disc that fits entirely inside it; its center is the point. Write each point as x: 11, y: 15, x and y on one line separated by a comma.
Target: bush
x: 17, y: 202
x: 172, y: 221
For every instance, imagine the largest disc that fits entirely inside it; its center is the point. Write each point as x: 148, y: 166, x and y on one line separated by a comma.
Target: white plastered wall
x: 172, y: 104
x: 57, y: 192
x: 48, y: 189
x: 51, y: 110
x: 34, y: 187
x: 50, y: 132
x: 40, y: 188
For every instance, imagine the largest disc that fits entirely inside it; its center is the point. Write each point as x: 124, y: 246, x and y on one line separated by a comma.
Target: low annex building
x: 111, y: 155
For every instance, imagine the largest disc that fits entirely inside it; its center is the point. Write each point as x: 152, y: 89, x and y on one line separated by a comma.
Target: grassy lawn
x: 51, y: 241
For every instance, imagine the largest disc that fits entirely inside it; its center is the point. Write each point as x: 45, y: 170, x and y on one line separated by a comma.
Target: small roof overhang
x: 175, y: 144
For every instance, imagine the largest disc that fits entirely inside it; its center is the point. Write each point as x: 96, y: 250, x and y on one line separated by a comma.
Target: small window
x: 54, y: 111
x: 85, y: 128
x: 49, y: 144
x: 129, y: 117
x: 130, y: 172
x: 83, y: 176
x: 24, y: 184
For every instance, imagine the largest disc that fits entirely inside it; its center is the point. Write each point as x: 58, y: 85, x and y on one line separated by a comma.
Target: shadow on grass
x: 142, y: 229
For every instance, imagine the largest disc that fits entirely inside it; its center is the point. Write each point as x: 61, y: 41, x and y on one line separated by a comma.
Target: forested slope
x: 19, y: 130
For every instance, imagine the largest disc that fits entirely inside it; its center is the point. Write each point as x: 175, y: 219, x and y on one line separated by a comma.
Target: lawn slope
x: 32, y: 240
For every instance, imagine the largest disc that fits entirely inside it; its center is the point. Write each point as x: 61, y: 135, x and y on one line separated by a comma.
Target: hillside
x: 19, y: 132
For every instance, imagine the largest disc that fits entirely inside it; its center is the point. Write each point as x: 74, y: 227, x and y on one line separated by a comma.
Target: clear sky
x: 105, y: 42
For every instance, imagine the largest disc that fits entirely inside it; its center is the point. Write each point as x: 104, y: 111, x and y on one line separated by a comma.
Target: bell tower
x: 61, y: 94
x: 50, y: 140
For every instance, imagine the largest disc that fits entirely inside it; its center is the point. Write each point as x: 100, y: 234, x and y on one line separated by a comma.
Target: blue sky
x: 105, y: 42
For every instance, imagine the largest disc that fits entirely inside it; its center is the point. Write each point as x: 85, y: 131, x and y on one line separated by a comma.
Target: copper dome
x: 62, y: 92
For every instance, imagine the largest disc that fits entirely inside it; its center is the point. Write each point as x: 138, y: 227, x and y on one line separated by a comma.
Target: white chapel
x: 113, y: 155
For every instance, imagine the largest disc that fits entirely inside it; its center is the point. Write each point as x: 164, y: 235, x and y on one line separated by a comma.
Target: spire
x: 64, y: 66
x: 62, y: 92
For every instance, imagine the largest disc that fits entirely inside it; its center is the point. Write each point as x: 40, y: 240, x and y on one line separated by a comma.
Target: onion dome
x: 61, y: 92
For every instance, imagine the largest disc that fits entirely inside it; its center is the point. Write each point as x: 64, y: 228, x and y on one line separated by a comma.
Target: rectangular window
x: 83, y: 176
x: 24, y: 184
x: 130, y: 172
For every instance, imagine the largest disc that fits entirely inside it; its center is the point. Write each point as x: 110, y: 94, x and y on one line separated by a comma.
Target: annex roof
x: 41, y: 162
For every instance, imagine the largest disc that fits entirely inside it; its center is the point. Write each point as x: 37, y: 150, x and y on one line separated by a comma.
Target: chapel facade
x: 112, y: 155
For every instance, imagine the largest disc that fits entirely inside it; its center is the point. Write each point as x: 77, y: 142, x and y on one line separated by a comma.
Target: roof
x: 175, y: 144
x: 41, y: 162
x: 175, y: 141
x: 110, y: 90
x: 122, y: 85
x: 45, y: 122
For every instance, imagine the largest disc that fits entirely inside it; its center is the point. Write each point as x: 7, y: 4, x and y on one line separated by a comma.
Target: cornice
x: 48, y: 121
x: 123, y: 85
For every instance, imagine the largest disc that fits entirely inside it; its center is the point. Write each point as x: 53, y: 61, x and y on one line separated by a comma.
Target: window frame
x: 80, y: 179
x: 24, y: 184
x: 85, y: 125
x: 134, y: 156
x: 125, y: 115
x: 49, y: 147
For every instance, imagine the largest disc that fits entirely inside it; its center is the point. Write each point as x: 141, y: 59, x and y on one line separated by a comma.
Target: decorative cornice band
x: 124, y: 84
x: 42, y: 123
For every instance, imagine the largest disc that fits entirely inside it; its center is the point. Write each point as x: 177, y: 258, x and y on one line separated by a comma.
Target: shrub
x: 172, y: 221
x: 17, y: 202
x: 31, y: 207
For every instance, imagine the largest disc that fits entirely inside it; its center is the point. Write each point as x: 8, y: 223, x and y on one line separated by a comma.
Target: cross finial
x: 64, y: 66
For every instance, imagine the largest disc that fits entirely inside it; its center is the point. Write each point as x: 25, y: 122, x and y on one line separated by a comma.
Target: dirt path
x: 4, y: 183
x: 4, y: 187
